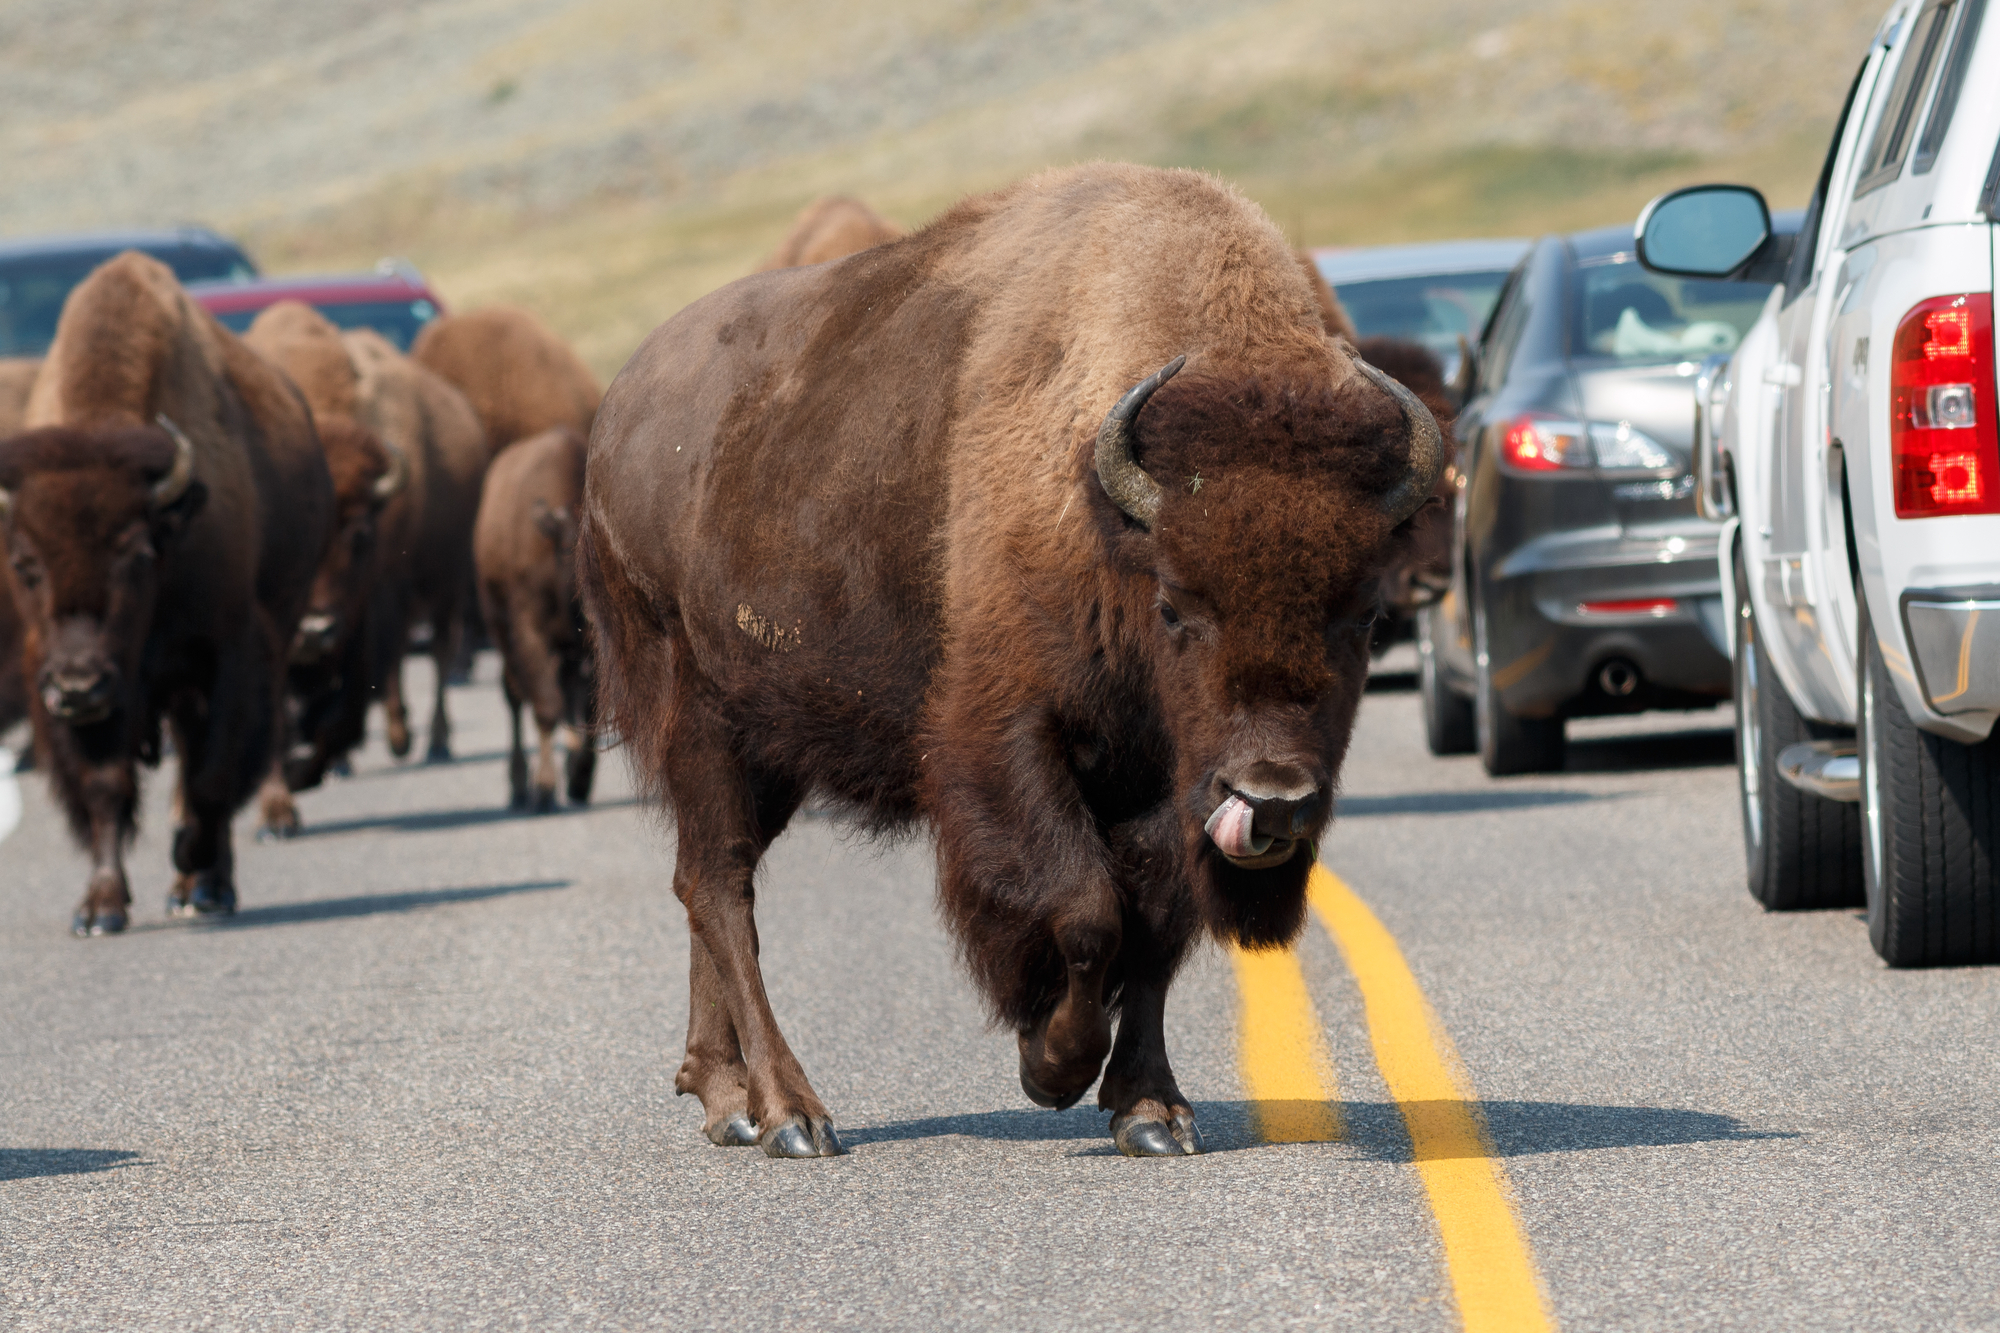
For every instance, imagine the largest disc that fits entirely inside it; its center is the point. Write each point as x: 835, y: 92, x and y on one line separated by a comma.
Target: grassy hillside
x: 605, y: 161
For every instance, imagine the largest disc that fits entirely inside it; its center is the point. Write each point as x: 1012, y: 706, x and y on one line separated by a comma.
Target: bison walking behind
x: 163, y: 519
x: 1055, y: 525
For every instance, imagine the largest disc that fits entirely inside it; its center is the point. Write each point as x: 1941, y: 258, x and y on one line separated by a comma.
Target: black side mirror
x: 1704, y: 231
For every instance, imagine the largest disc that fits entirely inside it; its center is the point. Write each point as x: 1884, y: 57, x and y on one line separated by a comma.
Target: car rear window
x: 1433, y: 310
x: 398, y: 321
x: 1624, y: 313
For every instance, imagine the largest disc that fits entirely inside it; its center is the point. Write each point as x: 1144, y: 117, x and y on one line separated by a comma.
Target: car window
x: 32, y: 292
x: 1798, y: 272
x: 1627, y: 314
x: 1899, y: 112
x: 1505, y: 333
x: 1949, y: 84
x: 1435, y: 310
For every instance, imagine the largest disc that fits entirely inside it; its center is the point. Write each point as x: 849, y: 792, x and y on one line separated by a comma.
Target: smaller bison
x: 520, y: 378
x: 524, y: 547
x: 832, y: 226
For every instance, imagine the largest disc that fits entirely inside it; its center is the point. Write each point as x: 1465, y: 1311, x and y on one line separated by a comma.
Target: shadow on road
x: 435, y: 821
x: 1706, y: 748
x: 1390, y: 682
x: 1374, y: 1129
x: 33, y: 1163
x: 1461, y: 802
x: 375, y: 904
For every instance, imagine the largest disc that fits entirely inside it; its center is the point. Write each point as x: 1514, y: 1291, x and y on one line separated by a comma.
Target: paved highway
x: 424, y: 1080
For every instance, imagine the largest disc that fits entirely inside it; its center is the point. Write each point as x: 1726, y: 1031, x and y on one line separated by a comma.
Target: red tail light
x: 1537, y: 442
x: 1634, y: 606
x: 1944, y: 430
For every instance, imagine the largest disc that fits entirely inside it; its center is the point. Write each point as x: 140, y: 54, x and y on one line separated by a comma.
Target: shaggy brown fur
x: 141, y: 612
x: 832, y: 226
x: 1424, y: 570
x: 1331, y: 312
x: 17, y: 378
x: 844, y: 533
x: 524, y: 547
x: 520, y: 378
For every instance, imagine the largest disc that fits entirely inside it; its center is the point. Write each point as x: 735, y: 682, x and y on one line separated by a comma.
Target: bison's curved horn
x: 1117, y: 471
x: 1426, y: 447
x: 174, y: 485
x: 397, y: 477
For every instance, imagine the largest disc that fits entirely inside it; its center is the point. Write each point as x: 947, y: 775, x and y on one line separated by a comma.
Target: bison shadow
x: 1390, y: 682
x: 376, y: 904
x: 1374, y: 1130
x: 440, y: 821
x: 1460, y: 802
x: 35, y: 1163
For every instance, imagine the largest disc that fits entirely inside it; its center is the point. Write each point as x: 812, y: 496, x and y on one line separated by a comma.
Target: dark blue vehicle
x: 38, y: 272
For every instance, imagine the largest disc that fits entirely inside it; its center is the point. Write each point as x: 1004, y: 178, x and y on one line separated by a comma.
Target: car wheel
x: 1930, y: 814
x: 1508, y: 744
x: 1803, y: 851
x: 1448, y: 725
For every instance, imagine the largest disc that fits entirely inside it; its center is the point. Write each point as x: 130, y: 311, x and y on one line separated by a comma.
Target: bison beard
x: 899, y: 530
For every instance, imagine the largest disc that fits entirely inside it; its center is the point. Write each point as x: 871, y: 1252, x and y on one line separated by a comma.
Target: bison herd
x: 1060, y: 527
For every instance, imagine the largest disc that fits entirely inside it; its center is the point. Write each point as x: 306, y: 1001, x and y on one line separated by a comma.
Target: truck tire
x: 1509, y: 744
x: 1447, y: 714
x: 1931, y: 831
x: 1803, y: 851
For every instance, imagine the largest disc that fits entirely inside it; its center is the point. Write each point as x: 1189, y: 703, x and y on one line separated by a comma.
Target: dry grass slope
x: 605, y: 161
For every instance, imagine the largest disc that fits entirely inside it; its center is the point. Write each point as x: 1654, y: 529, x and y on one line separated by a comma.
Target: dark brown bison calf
x: 1056, y: 525
x: 524, y: 548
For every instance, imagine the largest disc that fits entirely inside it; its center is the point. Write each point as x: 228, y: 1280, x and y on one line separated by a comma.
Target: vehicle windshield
x: 1433, y: 309
x: 398, y: 321
x: 33, y: 288
x: 1625, y: 314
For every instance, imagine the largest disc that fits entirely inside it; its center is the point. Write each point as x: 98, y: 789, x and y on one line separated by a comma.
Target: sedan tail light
x: 1542, y: 442
x: 1944, y: 431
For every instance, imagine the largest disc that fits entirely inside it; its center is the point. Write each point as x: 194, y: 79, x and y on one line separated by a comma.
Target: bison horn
x: 1117, y: 471
x: 174, y: 485
x: 397, y: 477
x: 1426, y: 447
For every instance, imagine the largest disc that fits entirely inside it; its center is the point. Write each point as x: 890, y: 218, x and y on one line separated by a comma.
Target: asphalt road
x: 424, y: 1080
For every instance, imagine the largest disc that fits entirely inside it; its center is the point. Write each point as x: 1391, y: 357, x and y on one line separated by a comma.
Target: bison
x: 1332, y: 314
x: 832, y: 226
x: 524, y: 549
x: 1055, y: 526
x: 17, y: 377
x: 520, y: 378
x: 163, y: 514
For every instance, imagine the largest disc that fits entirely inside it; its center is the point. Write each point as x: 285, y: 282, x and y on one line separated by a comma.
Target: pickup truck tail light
x: 1944, y: 430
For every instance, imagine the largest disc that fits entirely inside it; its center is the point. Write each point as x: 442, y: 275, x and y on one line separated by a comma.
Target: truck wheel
x: 1931, y: 825
x: 1509, y: 744
x: 1804, y: 851
x: 1447, y: 714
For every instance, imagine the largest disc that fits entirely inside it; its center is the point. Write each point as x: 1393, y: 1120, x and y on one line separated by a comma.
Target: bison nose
x: 315, y: 638
x: 1264, y: 809
x: 1281, y: 808
x: 78, y: 694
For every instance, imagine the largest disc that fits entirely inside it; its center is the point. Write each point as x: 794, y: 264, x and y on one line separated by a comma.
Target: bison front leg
x: 1060, y: 1056
x: 1149, y: 1116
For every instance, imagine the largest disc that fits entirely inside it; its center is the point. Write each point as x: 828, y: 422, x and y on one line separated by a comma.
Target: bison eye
x: 1168, y: 614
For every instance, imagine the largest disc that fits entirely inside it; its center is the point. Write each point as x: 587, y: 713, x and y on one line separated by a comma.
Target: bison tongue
x: 1229, y: 828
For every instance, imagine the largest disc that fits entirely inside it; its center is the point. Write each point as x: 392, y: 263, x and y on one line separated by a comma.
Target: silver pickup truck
x: 1851, y: 446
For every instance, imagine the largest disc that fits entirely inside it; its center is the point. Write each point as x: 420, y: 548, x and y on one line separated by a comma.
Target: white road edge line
x: 10, y: 794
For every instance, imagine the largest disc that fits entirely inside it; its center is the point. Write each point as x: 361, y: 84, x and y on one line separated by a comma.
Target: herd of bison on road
x: 1062, y: 526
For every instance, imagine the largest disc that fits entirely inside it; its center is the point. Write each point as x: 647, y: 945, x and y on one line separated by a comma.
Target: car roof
x: 112, y: 242
x: 1338, y: 264
x: 224, y: 296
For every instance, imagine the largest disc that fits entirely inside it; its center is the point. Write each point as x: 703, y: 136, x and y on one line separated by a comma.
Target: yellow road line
x: 1485, y: 1250
x: 1282, y: 1050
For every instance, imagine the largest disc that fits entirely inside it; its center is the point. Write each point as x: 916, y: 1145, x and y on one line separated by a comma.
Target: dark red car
x: 394, y: 300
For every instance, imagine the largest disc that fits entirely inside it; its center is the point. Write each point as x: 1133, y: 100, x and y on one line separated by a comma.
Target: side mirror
x: 1704, y: 231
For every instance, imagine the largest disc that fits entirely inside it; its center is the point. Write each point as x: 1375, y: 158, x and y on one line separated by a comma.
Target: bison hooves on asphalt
x: 102, y: 911
x: 203, y: 894
x: 1139, y: 1135
x: 738, y: 1131
x: 801, y: 1136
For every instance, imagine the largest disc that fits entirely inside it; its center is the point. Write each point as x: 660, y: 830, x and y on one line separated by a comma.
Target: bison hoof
x: 1041, y: 1096
x: 341, y: 768
x: 518, y: 800
x: 439, y: 753
x: 793, y: 1138
x: 205, y: 898
x: 283, y: 832
x: 1154, y: 1138
x: 739, y: 1131
x: 85, y: 924
x: 545, y: 801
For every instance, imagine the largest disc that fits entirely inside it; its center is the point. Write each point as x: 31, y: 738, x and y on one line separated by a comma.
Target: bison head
x: 1256, y: 518
x: 88, y: 515
x: 367, y: 474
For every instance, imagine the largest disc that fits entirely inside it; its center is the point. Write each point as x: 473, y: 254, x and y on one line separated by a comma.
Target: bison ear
x: 177, y: 515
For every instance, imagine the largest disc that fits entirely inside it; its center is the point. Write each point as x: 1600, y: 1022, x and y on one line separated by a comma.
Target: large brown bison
x: 164, y: 514
x: 1055, y: 525
x: 519, y: 376
x: 832, y: 226
x: 524, y: 548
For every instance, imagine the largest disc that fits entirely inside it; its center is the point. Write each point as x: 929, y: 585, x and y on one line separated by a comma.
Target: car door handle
x: 1786, y: 374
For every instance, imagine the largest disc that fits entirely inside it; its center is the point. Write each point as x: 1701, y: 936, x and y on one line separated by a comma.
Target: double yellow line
x: 1289, y: 1076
